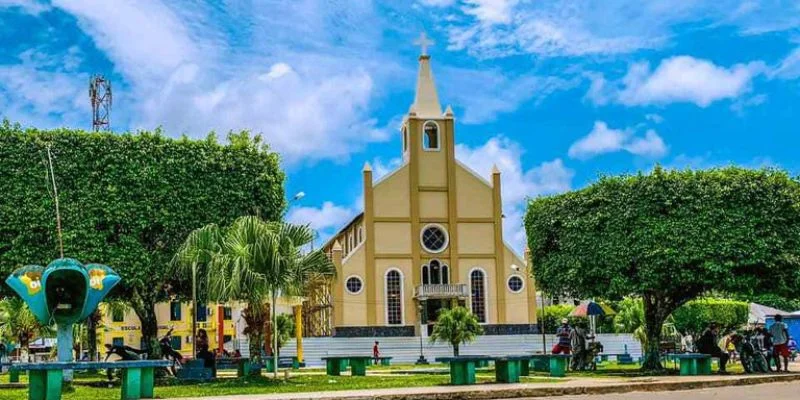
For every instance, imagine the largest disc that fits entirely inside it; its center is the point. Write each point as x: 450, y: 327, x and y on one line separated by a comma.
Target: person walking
x: 376, y: 353
x: 709, y: 344
x: 562, y: 346
x: 780, y: 343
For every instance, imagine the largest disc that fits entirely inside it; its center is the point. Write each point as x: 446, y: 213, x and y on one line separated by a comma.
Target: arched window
x: 394, y: 298
x: 430, y: 136
x: 445, y: 274
x: 425, y: 275
x: 436, y: 272
x: 405, y: 139
x: 477, y: 282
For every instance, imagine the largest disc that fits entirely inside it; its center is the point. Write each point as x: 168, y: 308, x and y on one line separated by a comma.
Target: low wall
x: 407, y: 349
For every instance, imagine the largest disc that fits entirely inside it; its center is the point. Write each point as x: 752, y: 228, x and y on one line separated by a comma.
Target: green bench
x: 508, y: 369
x: 334, y: 365
x: 385, y: 361
x: 555, y: 364
x: 693, y: 363
x: 45, y: 379
x: 283, y: 362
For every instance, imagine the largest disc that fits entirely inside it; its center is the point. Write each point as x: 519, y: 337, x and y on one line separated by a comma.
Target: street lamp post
x: 421, y: 360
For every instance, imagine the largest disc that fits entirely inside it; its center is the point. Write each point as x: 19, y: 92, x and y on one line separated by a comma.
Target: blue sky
x: 553, y: 92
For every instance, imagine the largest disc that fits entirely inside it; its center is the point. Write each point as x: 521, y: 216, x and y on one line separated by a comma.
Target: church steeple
x: 426, y: 100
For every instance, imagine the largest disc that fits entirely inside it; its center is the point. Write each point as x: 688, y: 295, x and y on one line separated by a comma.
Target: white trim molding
x: 508, y: 283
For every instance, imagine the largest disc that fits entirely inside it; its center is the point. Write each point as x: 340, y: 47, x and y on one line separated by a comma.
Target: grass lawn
x: 297, y: 383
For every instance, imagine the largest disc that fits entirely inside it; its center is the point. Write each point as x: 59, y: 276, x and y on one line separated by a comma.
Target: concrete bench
x: 555, y: 364
x: 382, y: 361
x: 693, y: 363
x: 195, y: 370
x: 283, y: 362
x: 45, y: 379
x: 622, y: 358
x: 334, y: 365
x: 508, y: 369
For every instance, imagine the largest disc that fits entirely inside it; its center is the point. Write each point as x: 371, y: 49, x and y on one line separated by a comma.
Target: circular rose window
x: 434, y: 238
x: 354, y: 285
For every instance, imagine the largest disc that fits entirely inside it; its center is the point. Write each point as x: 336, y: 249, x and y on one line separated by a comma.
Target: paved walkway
x: 570, y: 386
x: 770, y: 391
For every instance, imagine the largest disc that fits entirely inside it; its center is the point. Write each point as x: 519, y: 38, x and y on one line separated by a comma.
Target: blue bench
x: 45, y: 379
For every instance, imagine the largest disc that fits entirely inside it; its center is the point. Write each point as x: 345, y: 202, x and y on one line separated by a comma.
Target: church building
x: 430, y: 237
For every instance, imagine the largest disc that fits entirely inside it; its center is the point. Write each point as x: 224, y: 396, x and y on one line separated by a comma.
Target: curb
x: 489, y: 393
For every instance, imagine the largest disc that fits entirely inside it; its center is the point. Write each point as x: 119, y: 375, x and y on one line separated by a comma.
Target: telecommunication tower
x: 100, y: 96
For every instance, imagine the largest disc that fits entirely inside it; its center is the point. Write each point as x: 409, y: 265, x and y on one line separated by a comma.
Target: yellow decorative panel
x: 392, y: 237
x: 432, y: 168
x: 433, y: 204
x: 355, y: 305
x: 475, y: 238
x: 391, y: 195
x: 474, y: 196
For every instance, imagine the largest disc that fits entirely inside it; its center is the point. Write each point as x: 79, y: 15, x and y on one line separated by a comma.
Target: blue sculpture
x: 64, y: 292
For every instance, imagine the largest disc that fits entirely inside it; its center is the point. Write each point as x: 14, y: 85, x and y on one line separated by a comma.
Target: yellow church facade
x: 430, y: 237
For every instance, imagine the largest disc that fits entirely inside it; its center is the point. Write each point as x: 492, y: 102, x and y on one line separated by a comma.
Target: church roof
x: 426, y: 99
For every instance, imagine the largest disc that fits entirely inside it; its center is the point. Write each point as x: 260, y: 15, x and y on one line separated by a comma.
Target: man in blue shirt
x: 562, y: 346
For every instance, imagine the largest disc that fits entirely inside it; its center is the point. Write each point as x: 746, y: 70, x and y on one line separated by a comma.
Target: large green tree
x: 668, y: 237
x: 128, y: 201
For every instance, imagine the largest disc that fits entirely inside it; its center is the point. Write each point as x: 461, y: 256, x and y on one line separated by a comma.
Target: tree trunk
x: 455, y: 349
x: 254, y: 332
x: 146, y: 311
x: 267, y: 324
x: 274, y: 337
x: 656, y: 312
x: 91, y: 334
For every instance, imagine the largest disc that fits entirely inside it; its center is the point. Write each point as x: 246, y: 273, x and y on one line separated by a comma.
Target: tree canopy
x: 127, y: 200
x: 695, y: 315
x: 669, y: 236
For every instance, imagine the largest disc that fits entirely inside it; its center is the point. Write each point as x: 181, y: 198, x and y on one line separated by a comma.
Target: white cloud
x: 678, y: 79
x: 789, y: 67
x: 490, y: 12
x: 556, y: 28
x: 185, y: 68
x: 484, y: 94
x: 686, y: 79
x: 603, y: 139
x: 655, y: 118
x: 28, y: 6
x: 518, y: 183
x: 381, y: 168
x: 437, y: 3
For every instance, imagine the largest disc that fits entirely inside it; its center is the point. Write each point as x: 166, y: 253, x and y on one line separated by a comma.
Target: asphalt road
x: 772, y: 391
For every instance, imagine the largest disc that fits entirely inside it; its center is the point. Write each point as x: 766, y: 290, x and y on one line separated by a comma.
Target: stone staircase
x: 407, y: 349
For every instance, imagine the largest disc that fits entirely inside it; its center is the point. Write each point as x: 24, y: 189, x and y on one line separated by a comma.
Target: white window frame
x: 446, y: 238
x: 346, y: 289
x: 438, y: 137
x: 402, y: 297
x: 508, y: 283
x: 485, y: 292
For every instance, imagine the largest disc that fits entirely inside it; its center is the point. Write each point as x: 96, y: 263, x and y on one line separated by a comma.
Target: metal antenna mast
x: 100, y: 96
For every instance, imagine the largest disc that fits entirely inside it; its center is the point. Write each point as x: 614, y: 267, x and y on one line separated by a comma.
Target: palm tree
x: 18, y: 324
x: 456, y: 326
x: 255, y: 262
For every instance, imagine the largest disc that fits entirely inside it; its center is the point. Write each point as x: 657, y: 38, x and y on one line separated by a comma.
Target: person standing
x: 709, y: 344
x: 780, y: 343
x: 577, y: 339
x: 687, y: 343
x: 562, y: 346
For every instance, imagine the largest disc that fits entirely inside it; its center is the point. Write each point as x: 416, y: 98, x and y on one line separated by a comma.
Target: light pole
x: 421, y: 360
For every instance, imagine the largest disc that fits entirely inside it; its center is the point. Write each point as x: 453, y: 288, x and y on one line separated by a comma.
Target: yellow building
x: 125, y: 329
x: 430, y: 236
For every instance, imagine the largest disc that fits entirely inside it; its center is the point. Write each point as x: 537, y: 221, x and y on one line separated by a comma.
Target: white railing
x: 441, y: 291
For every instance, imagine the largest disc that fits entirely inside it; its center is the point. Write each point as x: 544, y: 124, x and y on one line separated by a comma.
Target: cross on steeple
x: 423, y: 42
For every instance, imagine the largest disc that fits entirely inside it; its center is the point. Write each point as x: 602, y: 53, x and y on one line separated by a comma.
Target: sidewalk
x: 570, y: 386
